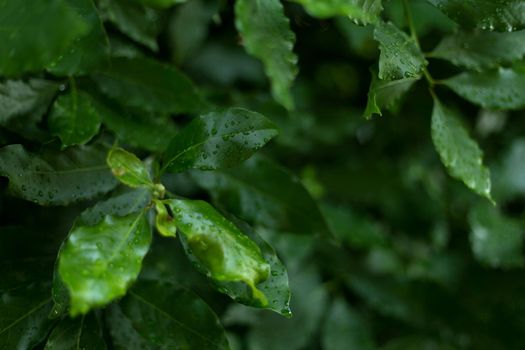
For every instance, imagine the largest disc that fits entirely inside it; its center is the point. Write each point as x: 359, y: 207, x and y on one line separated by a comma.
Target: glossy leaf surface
x: 400, y: 56
x: 364, y: 11
x: 481, y: 49
x: 155, y: 315
x: 459, y: 153
x: 497, y: 89
x: 259, y: 191
x: 56, y: 178
x: 74, y: 119
x: 219, y: 248
x: 128, y: 168
x: 266, y: 34
x: 99, y: 263
x: 499, y: 15
x: 149, y: 85
x: 219, y: 140
x: 25, y: 49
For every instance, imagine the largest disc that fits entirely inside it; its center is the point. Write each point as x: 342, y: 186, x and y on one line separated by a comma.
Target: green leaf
x: 385, y: 94
x: 500, y: 88
x: 400, y: 55
x: 74, y: 119
x: 122, y: 203
x: 219, y: 140
x: 479, y: 49
x: 150, y: 86
x: 459, y: 153
x: 219, y: 248
x: 496, y: 240
x: 99, y: 263
x: 19, y: 98
x: 345, y: 329
x: 57, y: 178
x: 88, y: 52
x: 364, y: 11
x: 128, y: 169
x: 261, y: 192
x: 499, y: 15
x: 266, y: 35
x: 155, y: 315
x: 160, y: 3
x: 275, y: 288
x: 140, y: 23
x: 163, y: 221
x: 33, y: 34
x: 81, y: 333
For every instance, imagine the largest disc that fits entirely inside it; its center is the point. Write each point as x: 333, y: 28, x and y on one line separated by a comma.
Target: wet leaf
x: 128, y: 168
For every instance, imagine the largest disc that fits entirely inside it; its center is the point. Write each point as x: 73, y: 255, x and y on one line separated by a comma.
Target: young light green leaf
x: 364, y: 11
x: 99, y: 263
x: 345, y: 329
x: 140, y: 23
x: 400, y: 55
x: 266, y: 34
x: 163, y: 221
x: 496, y: 240
x: 500, y: 88
x: 261, y: 192
x: 219, y: 248
x: 385, y: 94
x: 88, y: 52
x: 57, y: 178
x: 180, y: 318
x: 128, y: 169
x: 499, y: 15
x: 33, y: 34
x: 150, y: 86
x: 481, y: 49
x: 219, y: 140
x: 19, y: 98
x: 81, y: 333
x: 459, y: 153
x: 73, y: 118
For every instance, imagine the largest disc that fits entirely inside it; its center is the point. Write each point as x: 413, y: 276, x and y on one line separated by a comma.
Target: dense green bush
x: 138, y: 210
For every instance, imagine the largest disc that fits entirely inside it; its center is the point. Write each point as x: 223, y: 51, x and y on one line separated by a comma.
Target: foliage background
x: 416, y: 260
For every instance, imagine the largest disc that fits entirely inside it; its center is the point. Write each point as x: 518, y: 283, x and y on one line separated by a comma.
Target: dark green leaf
x: 364, y: 11
x: 99, y: 263
x: 81, y: 333
x: 459, y: 153
x: 155, y: 315
x: 33, y: 35
x: 266, y: 34
x: 160, y: 3
x: 128, y: 169
x: 499, y: 15
x: 219, y: 140
x: 345, y: 329
x: 219, y: 248
x: 149, y: 85
x: 57, y: 178
x: 479, y: 49
x: 400, y: 55
x: 74, y: 119
x: 385, y: 93
x: 500, y: 88
x: 259, y: 191
x: 19, y: 98
x: 140, y: 23
x: 496, y: 240
x: 88, y: 52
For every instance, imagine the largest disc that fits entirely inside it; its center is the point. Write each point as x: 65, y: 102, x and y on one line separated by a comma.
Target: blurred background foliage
x: 419, y: 262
